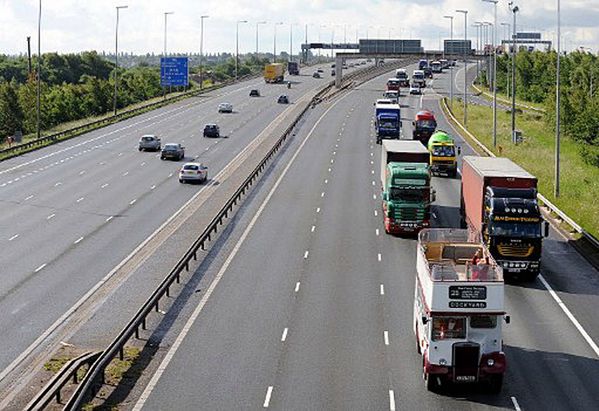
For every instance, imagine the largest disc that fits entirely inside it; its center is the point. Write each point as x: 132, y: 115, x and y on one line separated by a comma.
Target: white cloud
x: 75, y: 25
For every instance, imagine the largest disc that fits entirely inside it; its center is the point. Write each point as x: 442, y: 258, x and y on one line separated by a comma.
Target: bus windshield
x: 448, y: 328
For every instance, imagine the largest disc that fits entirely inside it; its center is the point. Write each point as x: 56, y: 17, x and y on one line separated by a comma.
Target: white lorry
x: 458, y: 310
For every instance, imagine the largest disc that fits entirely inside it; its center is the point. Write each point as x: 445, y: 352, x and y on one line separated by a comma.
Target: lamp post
x: 116, y: 56
x: 258, y: 24
x: 202, y: 50
x: 465, y: 13
x: 290, y: 41
x: 507, y: 78
x: 514, y: 10
x: 274, y: 54
x: 494, y: 2
x: 166, y: 14
x: 478, y: 25
x: 237, y: 47
x: 557, y: 101
x: 451, y: 79
x: 39, y: 69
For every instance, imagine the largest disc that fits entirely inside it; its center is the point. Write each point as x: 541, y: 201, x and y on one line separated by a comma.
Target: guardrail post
x: 168, y: 291
x: 187, y: 266
x: 137, y: 333
x: 156, y: 307
x: 143, y: 324
x: 121, y: 354
x: 178, y: 278
x: 75, y: 380
x: 58, y: 396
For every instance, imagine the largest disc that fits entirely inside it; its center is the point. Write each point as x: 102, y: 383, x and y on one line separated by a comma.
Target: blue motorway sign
x: 174, y: 71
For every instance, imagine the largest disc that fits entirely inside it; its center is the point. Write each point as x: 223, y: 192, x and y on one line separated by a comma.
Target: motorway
x: 307, y: 304
x: 73, y: 211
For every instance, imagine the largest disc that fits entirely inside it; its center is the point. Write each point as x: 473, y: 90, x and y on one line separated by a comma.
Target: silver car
x: 149, y: 142
x: 225, y: 108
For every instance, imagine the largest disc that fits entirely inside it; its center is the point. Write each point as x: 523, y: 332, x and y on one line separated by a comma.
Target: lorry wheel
x: 453, y: 173
x: 430, y: 382
x: 495, y: 383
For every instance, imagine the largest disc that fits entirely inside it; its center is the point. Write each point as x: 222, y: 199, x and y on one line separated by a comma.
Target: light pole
x: 514, y: 10
x: 478, y: 25
x: 116, y: 55
x: 237, y: 47
x: 257, y: 24
x: 557, y: 100
x: 166, y: 14
x: 451, y: 79
x: 202, y: 50
x: 290, y: 41
x: 274, y: 54
x: 494, y: 2
x: 39, y: 69
x: 465, y: 13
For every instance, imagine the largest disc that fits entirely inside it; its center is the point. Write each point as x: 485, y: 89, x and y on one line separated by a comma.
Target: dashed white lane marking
x: 377, y: 231
x: 373, y: 183
x: 268, y: 395
x: 284, y: 336
x: 13, y: 237
x: 376, y: 213
x: 125, y: 173
x: 326, y: 181
x: 329, y: 170
x: 120, y: 154
x: 332, y: 161
x: 569, y: 314
x: 109, y: 218
x: 371, y: 162
x: 516, y: 405
x: 318, y: 210
x: 306, y: 254
x: 78, y: 240
x: 322, y: 194
x: 382, y: 289
x: 58, y: 184
x: 40, y: 268
x: 374, y: 196
x: 391, y: 400
x: 28, y: 197
x: 371, y: 171
x: 386, y: 336
x: 313, y: 228
x: 153, y: 187
x: 80, y: 199
x: 371, y: 154
x: 143, y: 164
x: 297, y: 286
x: 170, y: 175
x: 82, y: 172
x: 104, y: 185
x: 132, y: 201
x: 51, y: 216
x: 379, y: 257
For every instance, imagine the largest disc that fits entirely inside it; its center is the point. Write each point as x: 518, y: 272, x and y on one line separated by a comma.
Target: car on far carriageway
x: 225, y: 108
x: 211, y: 130
x: 316, y: 74
x: 172, y: 151
x: 283, y: 99
x: 255, y: 93
x: 193, y: 172
x: 149, y: 142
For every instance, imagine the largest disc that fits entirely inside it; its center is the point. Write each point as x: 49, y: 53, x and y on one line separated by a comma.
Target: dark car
x: 283, y: 99
x: 255, y: 93
x: 211, y: 130
x: 428, y: 72
x: 172, y: 151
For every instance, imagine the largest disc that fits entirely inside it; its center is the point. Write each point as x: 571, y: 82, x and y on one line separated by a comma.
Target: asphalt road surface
x: 309, y: 304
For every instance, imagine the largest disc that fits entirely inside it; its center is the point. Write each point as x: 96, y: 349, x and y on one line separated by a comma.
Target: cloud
x: 74, y: 25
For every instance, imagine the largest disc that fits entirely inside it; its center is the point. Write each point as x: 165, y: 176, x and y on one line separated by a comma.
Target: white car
x: 415, y: 88
x: 195, y: 172
x: 225, y: 108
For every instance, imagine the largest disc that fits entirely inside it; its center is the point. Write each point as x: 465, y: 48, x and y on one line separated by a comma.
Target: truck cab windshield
x: 388, y: 123
x: 444, y: 151
x: 505, y: 229
x: 426, y: 124
x: 416, y: 194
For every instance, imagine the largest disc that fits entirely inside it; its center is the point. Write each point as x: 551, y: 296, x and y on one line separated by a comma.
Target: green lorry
x: 406, y: 185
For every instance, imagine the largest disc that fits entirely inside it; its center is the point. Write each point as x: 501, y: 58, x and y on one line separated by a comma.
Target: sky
x: 78, y: 25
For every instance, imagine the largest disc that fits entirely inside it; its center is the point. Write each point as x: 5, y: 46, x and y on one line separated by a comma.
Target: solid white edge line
x: 267, y: 398
x: 516, y: 405
x: 391, y: 400
x: 569, y: 314
x: 40, y: 268
x: 284, y: 336
x: 179, y: 340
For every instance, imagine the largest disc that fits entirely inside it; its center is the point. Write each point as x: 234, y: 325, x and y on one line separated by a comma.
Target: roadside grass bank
x: 579, y: 182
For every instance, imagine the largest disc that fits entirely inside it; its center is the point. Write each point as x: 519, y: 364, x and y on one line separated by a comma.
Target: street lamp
x: 507, y: 78
x: 451, y: 65
x: 478, y: 25
x: 557, y: 100
x: 257, y: 24
x: 274, y: 54
x: 116, y: 55
x: 166, y: 14
x: 202, y: 50
x: 465, y: 13
x: 237, y: 47
x: 494, y: 2
x: 39, y: 69
x: 514, y: 10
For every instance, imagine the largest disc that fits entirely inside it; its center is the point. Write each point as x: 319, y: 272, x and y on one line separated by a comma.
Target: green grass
x: 502, y: 96
x: 579, y: 182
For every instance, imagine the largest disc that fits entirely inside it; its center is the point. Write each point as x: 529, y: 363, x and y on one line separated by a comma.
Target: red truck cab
x: 424, y: 126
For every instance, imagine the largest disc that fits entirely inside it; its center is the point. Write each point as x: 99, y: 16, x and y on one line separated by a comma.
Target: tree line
x: 536, y: 73
x: 77, y: 86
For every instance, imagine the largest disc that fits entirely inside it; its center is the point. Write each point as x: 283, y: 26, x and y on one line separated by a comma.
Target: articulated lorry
x: 274, y: 73
x: 387, y: 121
x: 443, y: 154
x: 293, y: 68
x: 499, y: 201
x: 424, y: 126
x: 458, y: 310
x: 406, y: 185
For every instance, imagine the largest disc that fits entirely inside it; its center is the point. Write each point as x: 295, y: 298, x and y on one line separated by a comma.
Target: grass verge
x: 579, y: 182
